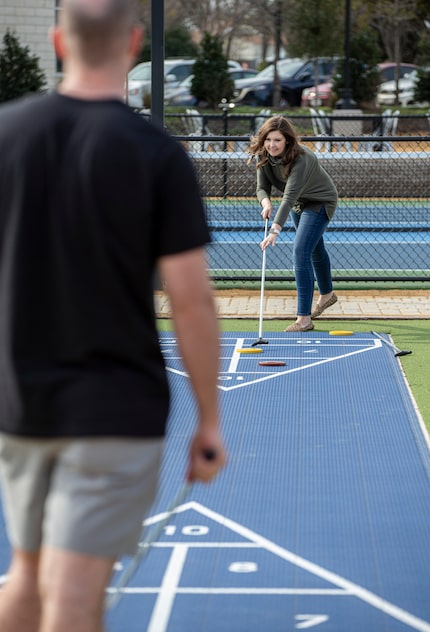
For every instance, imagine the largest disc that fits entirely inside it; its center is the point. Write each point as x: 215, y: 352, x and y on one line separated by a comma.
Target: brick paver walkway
x: 385, y: 304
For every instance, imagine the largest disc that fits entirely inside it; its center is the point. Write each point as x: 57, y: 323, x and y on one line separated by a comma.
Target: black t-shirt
x: 91, y: 196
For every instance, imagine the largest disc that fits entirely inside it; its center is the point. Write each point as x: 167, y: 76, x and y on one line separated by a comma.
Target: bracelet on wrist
x: 274, y: 231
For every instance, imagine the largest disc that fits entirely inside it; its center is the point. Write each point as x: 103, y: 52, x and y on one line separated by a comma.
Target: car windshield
x: 411, y: 77
x: 186, y: 83
x: 140, y: 73
x: 285, y: 69
x: 389, y: 72
x: 168, y: 66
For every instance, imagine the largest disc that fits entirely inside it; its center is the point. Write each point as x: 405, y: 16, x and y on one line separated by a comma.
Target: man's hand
x: 207, y: 456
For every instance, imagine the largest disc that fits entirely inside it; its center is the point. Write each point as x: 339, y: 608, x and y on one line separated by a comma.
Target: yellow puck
x: 340, y: 332
x: 252, y: 350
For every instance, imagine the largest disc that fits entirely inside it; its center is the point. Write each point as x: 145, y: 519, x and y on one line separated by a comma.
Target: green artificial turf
x: 406, y: 334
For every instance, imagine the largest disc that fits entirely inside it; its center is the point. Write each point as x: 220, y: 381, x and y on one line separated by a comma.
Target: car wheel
x: 252, y: 101
x: 284, y: 101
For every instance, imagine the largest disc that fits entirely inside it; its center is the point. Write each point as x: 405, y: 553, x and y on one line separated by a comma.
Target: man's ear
x: 136, y: 41
x: 57, y: 40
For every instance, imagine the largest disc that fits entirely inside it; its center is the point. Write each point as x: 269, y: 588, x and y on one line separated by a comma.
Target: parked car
x: 139, y: 78
x: 175, y: 71
x: 310, y: 98
x: 242, y: 73
x: 182, y: 94
x: 387, y: 90
x: 388, y: 70
x: 295, y: 75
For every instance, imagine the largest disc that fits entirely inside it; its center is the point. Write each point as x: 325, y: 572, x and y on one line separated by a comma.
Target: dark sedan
x: 295, y: 75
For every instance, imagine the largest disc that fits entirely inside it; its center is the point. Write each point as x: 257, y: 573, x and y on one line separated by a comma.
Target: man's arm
x: 195, y: 321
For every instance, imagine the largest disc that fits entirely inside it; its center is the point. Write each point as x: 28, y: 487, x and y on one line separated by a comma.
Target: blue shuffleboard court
x: 321, y: 519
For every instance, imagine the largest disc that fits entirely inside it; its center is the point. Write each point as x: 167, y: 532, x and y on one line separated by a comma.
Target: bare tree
x: 229, y: 19
x: 260, y: 17
x: 217, y: 17
x: 269, y: 15
x: 308, y: 27
x: 391, y: 19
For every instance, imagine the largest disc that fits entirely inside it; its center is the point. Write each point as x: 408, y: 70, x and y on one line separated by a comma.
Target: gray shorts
x: 88, y: 496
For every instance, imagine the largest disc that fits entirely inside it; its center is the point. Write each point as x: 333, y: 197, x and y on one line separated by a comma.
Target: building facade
x: 31, y: 20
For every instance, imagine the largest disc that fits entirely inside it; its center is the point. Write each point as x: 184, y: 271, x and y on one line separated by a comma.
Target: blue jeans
x: 310, y: 257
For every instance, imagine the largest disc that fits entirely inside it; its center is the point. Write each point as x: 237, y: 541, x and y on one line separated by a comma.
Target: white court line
x: 354, y: 589
x: 327, y: 592
x: 236, y: 356
x: 329, y: 341
x: 168, y: 589
x: 274, y: 375
x: 307, y: 366
x: 345, y: 585
x: 423, y: 428
x: 208, y: 545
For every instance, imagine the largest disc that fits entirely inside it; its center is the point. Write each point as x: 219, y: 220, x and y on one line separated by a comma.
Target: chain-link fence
x: 380, y: 165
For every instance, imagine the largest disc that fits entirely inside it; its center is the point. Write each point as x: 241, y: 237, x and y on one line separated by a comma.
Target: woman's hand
x: 267, y: 208
x: 270, y: 240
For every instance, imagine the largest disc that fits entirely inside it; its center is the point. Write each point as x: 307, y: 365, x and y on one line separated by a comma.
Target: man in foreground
x: 92, y: 200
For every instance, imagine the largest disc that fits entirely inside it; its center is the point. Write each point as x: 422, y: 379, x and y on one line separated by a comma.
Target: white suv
x: 387, y: 90
x: 175, y: 71
x: 139, y: 78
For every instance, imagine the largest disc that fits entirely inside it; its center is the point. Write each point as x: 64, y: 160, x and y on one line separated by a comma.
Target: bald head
x: 97, y: 30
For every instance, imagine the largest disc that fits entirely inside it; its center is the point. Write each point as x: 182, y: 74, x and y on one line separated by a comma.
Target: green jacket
x: 308, y: 186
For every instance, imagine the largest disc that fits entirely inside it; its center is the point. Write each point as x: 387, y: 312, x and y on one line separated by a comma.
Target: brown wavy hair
x: 292, y: 147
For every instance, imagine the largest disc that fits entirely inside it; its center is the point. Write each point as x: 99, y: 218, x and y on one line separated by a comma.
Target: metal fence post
x: 225, y: 106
